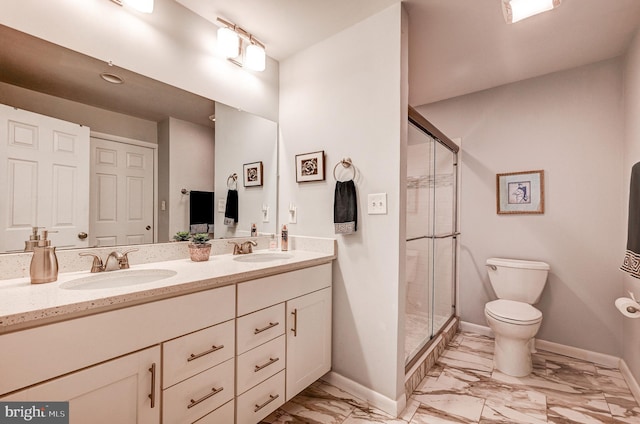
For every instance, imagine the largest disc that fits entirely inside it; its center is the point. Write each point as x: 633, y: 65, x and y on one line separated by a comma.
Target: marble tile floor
x: 463, y: 387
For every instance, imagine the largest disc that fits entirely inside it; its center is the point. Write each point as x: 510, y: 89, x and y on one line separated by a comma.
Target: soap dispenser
x: 44, y: 262
x: 34, y: 240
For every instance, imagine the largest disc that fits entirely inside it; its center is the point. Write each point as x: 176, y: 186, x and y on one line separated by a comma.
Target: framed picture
x: 520, y: 192
x: 310, y: 167
x: 252, y: 174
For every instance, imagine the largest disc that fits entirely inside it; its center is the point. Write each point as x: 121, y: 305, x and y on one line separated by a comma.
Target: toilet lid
x: 513, y: 311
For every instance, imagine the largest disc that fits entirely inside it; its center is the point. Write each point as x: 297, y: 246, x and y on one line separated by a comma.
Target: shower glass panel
x: 431, y: 239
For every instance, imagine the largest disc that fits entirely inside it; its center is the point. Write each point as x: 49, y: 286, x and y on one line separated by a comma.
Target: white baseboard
x: 475, y: 328
x: 375, y: 399
x: 560, y: 349
x: 630, y: 379
x: 575, y: 352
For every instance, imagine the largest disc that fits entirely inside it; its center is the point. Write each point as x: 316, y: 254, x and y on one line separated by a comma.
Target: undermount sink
x: 263, y: 257
x: 107, y: 280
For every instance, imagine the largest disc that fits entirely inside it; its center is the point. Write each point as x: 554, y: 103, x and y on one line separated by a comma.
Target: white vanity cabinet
x: 228, y: 354
x: 198, y: 373
x: 308, y: 340
x: 109, y: 361
x: 123, y: 390
x: 283, y: 338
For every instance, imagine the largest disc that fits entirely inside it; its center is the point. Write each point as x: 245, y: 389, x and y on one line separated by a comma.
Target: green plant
x: 181, y: 236
x: 200, y: 238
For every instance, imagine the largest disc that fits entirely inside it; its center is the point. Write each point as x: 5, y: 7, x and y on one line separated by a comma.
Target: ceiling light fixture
x: 241, y: 47
x: 144, y: 6
x: 112, y: 78
x: 517, y: 10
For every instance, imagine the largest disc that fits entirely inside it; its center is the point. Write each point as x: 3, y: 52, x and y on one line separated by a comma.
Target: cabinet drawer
x: 199, y: 395
x: 264, y: 292
x: 222, y: 415
x: 260, y: 327
x: 260, y: 401
x: 260, y: 363
x: 196, y: 352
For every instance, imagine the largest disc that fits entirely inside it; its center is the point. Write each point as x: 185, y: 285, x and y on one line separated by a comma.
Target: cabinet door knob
x: 82, y: 235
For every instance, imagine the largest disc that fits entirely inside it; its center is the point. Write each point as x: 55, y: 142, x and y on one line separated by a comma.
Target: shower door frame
x: 422, y: 124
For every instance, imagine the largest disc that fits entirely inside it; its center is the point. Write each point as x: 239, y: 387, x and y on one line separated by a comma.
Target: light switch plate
x: 377, y: 204
x: 222, y: 204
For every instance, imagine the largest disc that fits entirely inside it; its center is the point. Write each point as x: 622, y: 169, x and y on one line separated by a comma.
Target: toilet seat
x: 513, y: 312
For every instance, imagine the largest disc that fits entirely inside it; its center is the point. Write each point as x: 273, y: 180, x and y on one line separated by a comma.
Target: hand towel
x: 201, y: 208
x: 631, y: 263
x: 231, y: 209
x: 345, y: 208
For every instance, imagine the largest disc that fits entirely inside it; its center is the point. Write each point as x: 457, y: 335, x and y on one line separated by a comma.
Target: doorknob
x: 148, y: 227
x: 82, y: 235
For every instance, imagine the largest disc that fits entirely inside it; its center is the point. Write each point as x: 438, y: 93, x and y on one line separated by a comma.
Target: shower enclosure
x: 432, y: 230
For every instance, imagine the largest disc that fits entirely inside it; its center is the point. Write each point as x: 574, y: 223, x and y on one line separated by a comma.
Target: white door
x: 308, y: 340
x: 44, y: 179
x: 119, y: 391
x: 122, y: 191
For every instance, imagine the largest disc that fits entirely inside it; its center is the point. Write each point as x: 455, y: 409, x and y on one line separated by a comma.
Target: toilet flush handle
x: 492, y: 267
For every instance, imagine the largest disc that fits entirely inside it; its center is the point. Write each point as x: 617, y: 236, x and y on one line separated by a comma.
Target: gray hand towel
x: 231, y: 209
x: 345, y: 208
x: 631, y: 263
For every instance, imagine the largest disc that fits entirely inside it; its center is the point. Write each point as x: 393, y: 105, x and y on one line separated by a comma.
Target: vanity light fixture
x: 517, y: 10
x: 241, y: 47
x: 144, y: 6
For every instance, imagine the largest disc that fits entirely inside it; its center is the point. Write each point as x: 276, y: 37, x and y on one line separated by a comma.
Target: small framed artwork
x: 310, y: 167
x: 252, y: 174
x: 520, y: 192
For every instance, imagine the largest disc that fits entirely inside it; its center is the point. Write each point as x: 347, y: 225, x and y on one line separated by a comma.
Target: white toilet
x: 518, y: 284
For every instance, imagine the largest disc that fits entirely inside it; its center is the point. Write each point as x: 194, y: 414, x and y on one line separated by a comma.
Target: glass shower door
x: 431, y: 239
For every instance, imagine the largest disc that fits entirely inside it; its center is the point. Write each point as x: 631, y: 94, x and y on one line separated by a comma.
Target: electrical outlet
x: 377, y: 204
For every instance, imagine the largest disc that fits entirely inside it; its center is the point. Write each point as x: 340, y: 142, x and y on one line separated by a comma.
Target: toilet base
x: 512, y: 356
x: 513, y: 346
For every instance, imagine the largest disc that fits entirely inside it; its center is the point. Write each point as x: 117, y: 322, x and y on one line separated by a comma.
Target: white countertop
x: 24, y: 305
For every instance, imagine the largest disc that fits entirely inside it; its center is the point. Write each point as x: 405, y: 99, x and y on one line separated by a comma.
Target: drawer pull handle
x: 213, y: 392
x: 271, y: 325
x: 199, y: 355
x: 295, y: 322
x: 261, y: 367
x: 271, y: 399
x: 152, y: 395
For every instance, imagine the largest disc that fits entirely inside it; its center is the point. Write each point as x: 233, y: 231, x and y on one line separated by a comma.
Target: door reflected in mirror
x: 182, y: 141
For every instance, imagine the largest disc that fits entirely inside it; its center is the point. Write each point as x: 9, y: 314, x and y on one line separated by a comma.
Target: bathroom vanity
x: 221, y: 341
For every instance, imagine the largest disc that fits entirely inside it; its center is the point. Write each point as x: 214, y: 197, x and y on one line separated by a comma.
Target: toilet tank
x: 516, y: 279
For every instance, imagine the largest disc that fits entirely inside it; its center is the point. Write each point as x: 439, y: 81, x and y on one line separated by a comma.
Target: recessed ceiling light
x: 112, y: 78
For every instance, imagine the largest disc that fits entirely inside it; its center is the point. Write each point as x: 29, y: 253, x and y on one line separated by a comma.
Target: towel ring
x: 347, y: 163
x: 234, y: 181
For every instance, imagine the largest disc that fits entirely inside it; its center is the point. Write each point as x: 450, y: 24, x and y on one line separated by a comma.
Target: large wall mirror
x: 156, y: 159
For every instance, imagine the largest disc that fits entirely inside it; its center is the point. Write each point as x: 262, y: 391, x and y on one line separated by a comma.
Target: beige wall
x: 570, y: 125
x: 344, y: 96
x: 631, y: 327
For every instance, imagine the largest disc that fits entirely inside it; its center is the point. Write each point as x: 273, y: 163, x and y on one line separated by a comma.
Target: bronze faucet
x: 121, y: 258
x: 243, y: 248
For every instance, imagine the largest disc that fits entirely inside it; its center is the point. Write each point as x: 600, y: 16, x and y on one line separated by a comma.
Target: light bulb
x: 517, y: 10
x: 228, y: 42
x: 255, y: 58
x: 144, y: 6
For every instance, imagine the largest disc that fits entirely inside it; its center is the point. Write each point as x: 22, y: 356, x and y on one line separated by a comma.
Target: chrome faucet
x: 121, y: 258
x: 243, y: 248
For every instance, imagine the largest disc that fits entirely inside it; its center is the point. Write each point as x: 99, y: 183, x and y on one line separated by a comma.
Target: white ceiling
x: 455, y: 46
